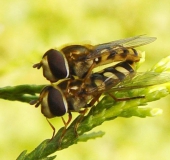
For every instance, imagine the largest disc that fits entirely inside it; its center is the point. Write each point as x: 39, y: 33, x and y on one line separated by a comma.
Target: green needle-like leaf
x: 93, y: 135
x: 157, y: 86
x: 23, y: 93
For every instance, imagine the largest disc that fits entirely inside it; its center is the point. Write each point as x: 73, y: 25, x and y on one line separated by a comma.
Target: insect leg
x: 94, y: 100
x: 68, y: 84
x: 83, y: 112
x: 69, y: 119
x: 89, y: 71
x: 87, y: 75
x: 125, y: 98
x: 65, y: 124
x: 53, y: 128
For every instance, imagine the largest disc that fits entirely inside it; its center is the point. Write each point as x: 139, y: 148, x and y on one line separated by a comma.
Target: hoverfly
x: 79, y: 60
x: 69, y: 96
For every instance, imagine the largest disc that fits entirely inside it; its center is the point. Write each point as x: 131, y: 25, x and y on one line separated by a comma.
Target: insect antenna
x: 37, y: 65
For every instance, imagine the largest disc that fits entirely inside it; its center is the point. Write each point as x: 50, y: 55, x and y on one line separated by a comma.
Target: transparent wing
x: 142, y: 80
x: 132, y: 81
x: 131, y: 42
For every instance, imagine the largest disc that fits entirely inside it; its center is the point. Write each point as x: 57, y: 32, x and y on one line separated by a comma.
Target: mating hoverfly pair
x: 74, y: 87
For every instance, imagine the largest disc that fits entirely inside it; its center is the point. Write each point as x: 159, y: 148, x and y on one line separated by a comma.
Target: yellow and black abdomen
x: 111, y: 76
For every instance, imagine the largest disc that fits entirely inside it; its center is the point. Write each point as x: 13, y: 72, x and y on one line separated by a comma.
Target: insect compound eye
x: 55, y: 65
x: 53, y: 103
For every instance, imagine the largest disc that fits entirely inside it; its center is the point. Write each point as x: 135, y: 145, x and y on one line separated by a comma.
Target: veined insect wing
x: 131, y: 81
x: 131, y: 42
x: 142, y: 40
x: 141, y: 80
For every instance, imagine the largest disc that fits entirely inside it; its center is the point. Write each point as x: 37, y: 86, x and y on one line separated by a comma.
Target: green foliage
x: 106, y: 109
x: 29, y: 28
x: 23, y: 93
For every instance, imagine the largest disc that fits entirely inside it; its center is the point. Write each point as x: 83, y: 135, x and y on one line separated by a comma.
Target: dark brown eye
x: 53, y: 103
x: 57, y: 102
x: 57, y: 63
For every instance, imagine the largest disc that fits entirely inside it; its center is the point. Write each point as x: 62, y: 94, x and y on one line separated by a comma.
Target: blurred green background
x: 29, y: 28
